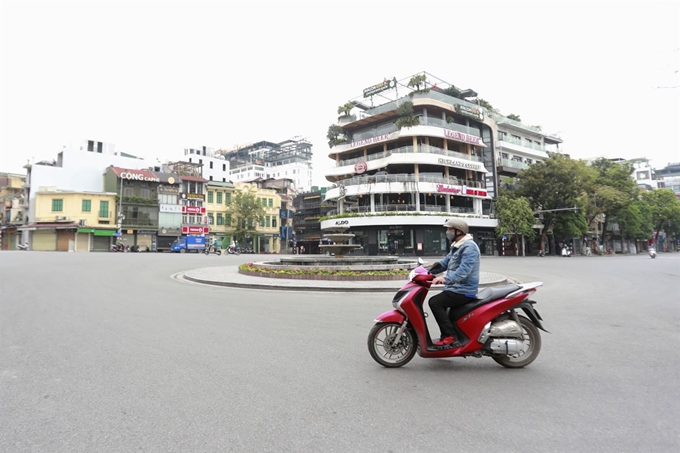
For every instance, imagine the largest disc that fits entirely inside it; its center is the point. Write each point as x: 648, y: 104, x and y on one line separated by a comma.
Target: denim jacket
x: 462, y: 267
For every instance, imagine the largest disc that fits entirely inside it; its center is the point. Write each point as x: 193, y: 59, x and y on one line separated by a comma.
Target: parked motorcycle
x: 119, y: 248
x: 488, y: 326
x: 233, y: 250
x: 213, y: 248
x: 23, y: 246
x: 652, y: 252
x: 566, y: 251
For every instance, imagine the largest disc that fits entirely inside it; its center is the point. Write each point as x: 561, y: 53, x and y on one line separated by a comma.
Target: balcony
x: 533, y: 150
x: 511, y: 166
x: 426, y: 149
x: 403, y: 208
x: 408, y: 178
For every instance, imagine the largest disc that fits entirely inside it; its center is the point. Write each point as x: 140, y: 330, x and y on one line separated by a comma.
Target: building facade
x: 11, y: 199
x: 219, y: 195
x: 395, y: 186
x: 310, y: 207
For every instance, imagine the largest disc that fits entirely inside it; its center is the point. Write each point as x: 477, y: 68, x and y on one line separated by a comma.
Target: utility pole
x: 120, y: 209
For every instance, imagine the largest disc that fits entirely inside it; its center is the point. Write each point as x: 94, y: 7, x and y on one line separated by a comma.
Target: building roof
x: 192, y: 178
x: 145, y: 173
x: 221, y: 184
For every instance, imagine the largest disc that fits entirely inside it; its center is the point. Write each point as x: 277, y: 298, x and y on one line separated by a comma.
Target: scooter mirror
x: 420, y: 261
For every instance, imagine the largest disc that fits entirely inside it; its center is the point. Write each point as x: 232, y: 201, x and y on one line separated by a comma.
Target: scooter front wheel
x: 384, y: 350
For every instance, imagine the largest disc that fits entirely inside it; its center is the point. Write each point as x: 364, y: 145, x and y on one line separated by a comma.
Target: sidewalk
x: 229, y: 276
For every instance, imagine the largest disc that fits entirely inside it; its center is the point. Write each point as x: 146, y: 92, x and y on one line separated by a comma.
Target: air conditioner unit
x: 59, y: 217
x: 82, y: 222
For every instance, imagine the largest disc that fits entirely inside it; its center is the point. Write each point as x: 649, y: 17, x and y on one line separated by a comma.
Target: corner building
x: 395, y: 187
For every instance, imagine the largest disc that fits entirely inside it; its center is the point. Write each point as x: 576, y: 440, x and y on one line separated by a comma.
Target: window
x: 210, y: 196
x: 104, y: 209
x: 87, y: 206
x: 227, y: 198
x: 220, y: 219
x: 219, y: 197
x: 211, y: 165
x: 250, y: 223
x: 224, y: 167
x: 128, y: 191
x: 146, y: 193
x: 267, y: 222
x: 57, y: 205
x: 271, y: 202
x: 211, y: 220
x: 274, y: 222
x: 227, y: 220
x: 264, y: 202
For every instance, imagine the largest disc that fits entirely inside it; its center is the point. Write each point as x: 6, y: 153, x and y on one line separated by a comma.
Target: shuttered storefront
x: 63, y: 240
x: 83, y: 242
x: 101, y: 241
x: 44, y: 241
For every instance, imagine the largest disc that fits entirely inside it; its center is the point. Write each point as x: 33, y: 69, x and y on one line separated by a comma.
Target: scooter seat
x: 493, y: 293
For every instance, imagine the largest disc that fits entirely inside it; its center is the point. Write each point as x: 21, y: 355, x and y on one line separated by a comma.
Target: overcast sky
x: 155, y: 77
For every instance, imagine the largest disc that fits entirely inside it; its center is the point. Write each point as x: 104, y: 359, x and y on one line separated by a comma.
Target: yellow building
x: 11, y: 208
x: 72, y: 221
x: 218, y: 198
x: 267, y: 236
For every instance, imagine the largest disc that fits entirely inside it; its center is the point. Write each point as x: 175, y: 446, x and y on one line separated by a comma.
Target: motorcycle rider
x: 461, y: 280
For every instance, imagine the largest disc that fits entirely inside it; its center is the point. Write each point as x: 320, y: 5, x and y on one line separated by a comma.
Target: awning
x: 85, y: 230
x: 108, y: 233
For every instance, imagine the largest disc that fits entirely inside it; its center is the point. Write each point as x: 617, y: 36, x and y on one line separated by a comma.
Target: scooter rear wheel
x: 382, y: 348
x: 532, y: 343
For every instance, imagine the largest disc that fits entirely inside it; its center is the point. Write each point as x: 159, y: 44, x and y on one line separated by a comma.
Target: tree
x: 345, y: 109
x: 665, y: 209
x: 512, y: 116
x: 515, y: 216
x: 556, y: 183
x: 407, y: 117
x: 482, y: 103
x: 635, y: 221
x: 335, y: 135
x: 246, y: 211
x: 613, y: 191
x: 417, y: 81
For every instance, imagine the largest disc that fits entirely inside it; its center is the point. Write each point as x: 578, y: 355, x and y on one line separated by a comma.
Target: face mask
x: 450, y: 235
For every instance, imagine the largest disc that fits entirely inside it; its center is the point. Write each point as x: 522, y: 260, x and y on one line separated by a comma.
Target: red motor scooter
x: 487, y: 326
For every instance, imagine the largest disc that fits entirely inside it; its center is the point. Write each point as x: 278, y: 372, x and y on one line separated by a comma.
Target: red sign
x: 360, y: 167
x: 463, y: 190
x: 192, y: 210
x: 195, y: 230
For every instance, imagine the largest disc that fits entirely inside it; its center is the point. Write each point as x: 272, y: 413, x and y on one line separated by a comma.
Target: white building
x: 214, y: 167
x: 290, y: 159
x: 79, y: 170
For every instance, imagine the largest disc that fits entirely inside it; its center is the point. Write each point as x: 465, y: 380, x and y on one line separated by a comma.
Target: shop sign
x: 380, y: 87
x: 164, y: 188
x: 195, y: 196
x: 468, y: 165
x: 462, y: 190
x: 170, y: 208
x: 462, y: 137
x: 473, y: 112
x: 370, y: 141
x: 193, y: 210
x: 153, y: 232
x: 341, y: 222
x: 139, y: 176
x: 195, y: 230
x: 360, y: 167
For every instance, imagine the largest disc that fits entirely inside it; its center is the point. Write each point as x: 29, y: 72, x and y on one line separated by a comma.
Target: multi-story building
x: 213, y: 166
x: 669, y: 177
x: 285, y: 188
x: 266, y: 238
x: 72, y: 220
x: 219, y: 199
x: 310, y: 207
x: 169, y: 210
x: 11, y: 190
x: 395, y: 186
x: 290, y: 159
x: 138, y: 207
x: 192, y: 197
x: 518, y: 146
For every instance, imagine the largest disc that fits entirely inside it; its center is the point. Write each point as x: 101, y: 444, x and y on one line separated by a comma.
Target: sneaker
x: 445, y: 341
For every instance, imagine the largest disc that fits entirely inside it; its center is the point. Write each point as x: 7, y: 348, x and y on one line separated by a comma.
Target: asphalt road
x: 107, y: 353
